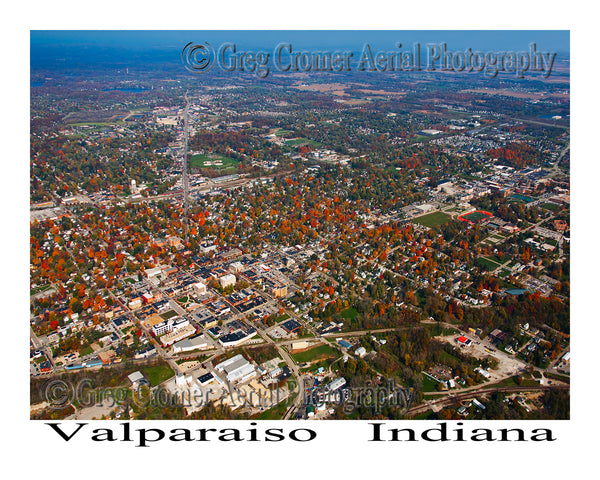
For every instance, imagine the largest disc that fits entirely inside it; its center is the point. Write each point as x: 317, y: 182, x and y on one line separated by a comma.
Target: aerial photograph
x: 299, y: 225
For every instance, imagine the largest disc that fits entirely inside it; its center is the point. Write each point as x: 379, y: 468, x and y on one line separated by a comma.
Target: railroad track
x: 454, y: 398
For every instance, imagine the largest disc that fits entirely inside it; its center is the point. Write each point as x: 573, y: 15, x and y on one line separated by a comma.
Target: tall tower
x: 185, y: 166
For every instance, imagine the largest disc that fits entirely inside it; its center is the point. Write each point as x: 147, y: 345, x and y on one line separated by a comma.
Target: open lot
x: 317, y: 353
x: 507, y: 364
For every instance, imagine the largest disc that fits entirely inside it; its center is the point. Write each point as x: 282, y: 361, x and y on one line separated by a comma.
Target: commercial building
x: 108, y: 357
x: 299, y: 345
x: 498, y: 335
x: 279, y: 290
x: 235, y: 338
x: 135, y: 303
x: 205, y: 379
x: 152, y: 272
x: 176, y: 335
x: 291, y: 326
x: 199, y: 288
x: 236, y: 267
x: 145, y: 353
x: 189, y: 344
x: 227, y: 280
x: 170, y: 325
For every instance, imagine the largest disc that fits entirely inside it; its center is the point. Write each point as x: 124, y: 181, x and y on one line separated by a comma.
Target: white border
x: 340, y: 449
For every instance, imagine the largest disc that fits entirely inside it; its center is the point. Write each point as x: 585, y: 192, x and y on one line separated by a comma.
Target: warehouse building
x: 336, y: 384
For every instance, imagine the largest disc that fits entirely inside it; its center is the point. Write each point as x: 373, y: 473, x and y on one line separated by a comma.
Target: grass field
x: 486, y: 263
x: 551, y: 206
x: 317, y: 353
x: 432, y: 219
x: 448, y: 357
x: 349, y: 313
x: 511, y: 382
x: 434, y: 330
x: 275, y: 413
x: 40, y: 288
x: 429, y: 385
x: 302, y: 141
x: 200, y: 161
x: 97, y: 124
x: 504, y: 273
x: 157, y: 374
x: 169, y: 314
x: 185, y: 301
x: 85, y: 351
x: 281, y: 132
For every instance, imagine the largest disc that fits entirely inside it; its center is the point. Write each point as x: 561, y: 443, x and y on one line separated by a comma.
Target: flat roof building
x: 227, y: 280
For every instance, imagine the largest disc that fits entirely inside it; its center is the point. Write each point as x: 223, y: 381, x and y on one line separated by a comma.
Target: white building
x: 171, y: 325
x: 237, y: 368
x: 236, y: 267
x: 360, y: 351
x: 189, y: 344
x: 168, y: 120
x: 199, y: 288
x: 227, y: 280
x: 207, y: 248
x: 425, y: 208
x: 152, y: 272
x: 183, y: 380
x: 135, y: 303
x: 137, y: 379
x: 334, y: 385
x: 176, y: 335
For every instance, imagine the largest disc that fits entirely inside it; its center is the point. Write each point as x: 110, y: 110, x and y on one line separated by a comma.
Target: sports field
x: 475, y: 216
x: 521, y: 198
x: 212, y: 161
x: 432, y: 219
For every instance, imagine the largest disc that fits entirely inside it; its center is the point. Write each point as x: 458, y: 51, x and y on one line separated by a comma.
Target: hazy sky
x: 44, y: 43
